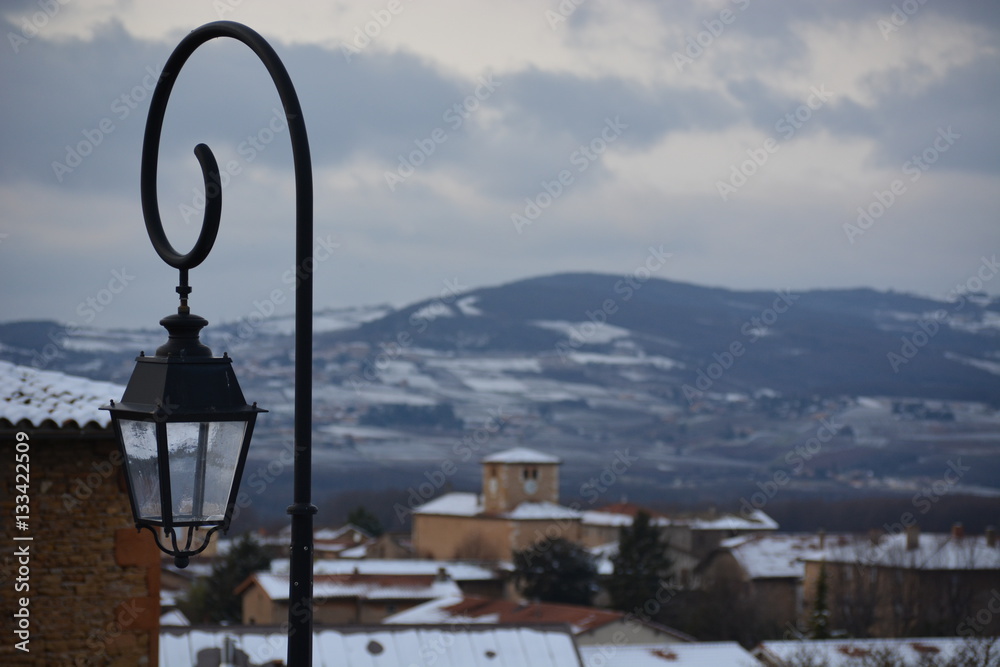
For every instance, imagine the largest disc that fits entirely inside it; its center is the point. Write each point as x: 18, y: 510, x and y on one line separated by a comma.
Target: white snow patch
x: 468, y: 306
x: 584, y: 333
x: 432, y: 311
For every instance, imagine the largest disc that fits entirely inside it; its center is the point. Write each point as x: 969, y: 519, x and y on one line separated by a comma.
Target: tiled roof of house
x: 37, y: 398
x: 474, y: 610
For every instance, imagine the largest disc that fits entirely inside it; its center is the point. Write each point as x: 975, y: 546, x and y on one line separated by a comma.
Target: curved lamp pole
x: 183, y: 327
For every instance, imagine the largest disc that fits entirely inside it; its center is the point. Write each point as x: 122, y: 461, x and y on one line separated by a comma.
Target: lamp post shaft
x: 300, y: 611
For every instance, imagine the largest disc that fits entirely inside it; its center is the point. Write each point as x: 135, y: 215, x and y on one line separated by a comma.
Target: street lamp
x: 183, y: 425
x: 184, y: 429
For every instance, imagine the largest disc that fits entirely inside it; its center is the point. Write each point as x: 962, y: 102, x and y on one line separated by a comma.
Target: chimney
x: 991, y: 536
x: 957, y: 531
x: 442, y: 575
x: 822, y: 539
x: 912, y: 537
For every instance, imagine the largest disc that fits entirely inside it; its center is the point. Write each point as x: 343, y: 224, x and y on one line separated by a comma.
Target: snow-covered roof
x: 454, y: 570
x: 174, y: 617
x: 772, y: 554
x: 674, y: 654
x: 367, y: 587
x: 544, y: 510
x: 852, y: 652
x: 755, y: 520
x: 460, y: 503
x: 458, y: 610
x: 612, y: 517
x: 39, y: 397
x: 382, y: 646
x: 932, y: 552
x: 456, y: 503
x: 520, y: 455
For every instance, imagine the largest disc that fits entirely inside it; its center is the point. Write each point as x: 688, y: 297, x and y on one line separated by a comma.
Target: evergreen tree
x: 556, y: 571
x: 819, y: 623
x: 212, y: 599
x: 640, y: 565
x: 366, y: 520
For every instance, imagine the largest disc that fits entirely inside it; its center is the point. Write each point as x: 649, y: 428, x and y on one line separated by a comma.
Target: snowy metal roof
x: 932, y: 552
x: 50, y: 398
x: 455, y: 570
x: 520, y: 455
x: 383, y: 646
x: 709, y: 654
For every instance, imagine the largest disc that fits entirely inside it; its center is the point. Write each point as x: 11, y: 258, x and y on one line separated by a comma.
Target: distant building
x: 518, y: 506
x: 341, y: 599
x: 909, y: 584
x: 762, y: 571
x: 689, y: 538
x: 363, y: 591
x: 90, y: 580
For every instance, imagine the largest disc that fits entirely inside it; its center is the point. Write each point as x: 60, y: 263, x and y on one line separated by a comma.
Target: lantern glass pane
x: 203, y: 458
x: 139, y: 439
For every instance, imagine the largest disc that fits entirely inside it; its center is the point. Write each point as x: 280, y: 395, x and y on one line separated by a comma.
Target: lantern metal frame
x: 183, y: 383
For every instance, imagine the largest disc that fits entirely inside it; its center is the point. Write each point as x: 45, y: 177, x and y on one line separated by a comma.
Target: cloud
x: 443, y: 123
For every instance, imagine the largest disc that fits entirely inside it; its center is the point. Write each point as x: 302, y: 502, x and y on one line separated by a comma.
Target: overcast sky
x: 476, y: 143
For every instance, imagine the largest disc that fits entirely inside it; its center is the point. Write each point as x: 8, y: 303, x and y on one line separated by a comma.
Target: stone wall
x: 91, y: 582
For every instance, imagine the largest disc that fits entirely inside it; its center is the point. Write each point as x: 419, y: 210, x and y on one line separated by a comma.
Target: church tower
x: 517, y: 476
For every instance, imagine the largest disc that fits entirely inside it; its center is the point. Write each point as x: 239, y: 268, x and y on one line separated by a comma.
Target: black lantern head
x: 184, y: 429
